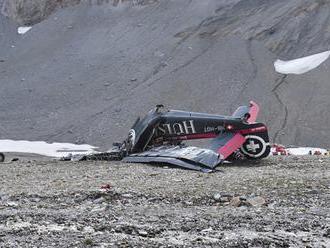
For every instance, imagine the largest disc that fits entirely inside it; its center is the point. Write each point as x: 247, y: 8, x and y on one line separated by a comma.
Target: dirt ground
x: 279, y: 202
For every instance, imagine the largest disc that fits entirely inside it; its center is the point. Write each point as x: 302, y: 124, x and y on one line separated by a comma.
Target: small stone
x: 242, y: 198
x: 305, y: 239
x: 313, y: 192
x: 89, y: 229
x: 225, y: 194
x: 224, y: 199
x: 98, y: 209
x: 272, y: 205
x: 133, y: 79
x: 235, y: 202
x: 88, y: 242
x: 12, y: 204
x: 99, y: 200
x: 217, y: 196
x: 143, y: 233
x: 207, y: 230
x: 257, y: 201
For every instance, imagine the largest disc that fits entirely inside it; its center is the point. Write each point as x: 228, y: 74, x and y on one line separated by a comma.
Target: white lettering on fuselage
x: 213, y: 129
x: 178, y: 128
x: 189, y: 127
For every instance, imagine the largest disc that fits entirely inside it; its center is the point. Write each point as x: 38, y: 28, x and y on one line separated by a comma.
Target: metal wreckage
x: 159, y: 137
x: 2, y: 157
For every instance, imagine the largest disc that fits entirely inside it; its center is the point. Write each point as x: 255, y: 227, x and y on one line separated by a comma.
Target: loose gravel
x: 278, y: 202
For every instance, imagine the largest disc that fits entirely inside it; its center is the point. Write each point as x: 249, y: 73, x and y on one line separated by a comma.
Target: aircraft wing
x: 191, y: 157
x: 188, y: 157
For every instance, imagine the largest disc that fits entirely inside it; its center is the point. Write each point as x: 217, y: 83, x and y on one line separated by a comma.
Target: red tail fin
x: 254, y: 111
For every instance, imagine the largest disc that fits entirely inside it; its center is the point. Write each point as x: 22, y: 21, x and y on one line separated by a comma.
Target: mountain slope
x: 85, y: 73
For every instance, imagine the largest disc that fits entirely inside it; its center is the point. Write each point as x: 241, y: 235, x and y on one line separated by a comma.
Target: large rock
x: 235, y: 202
x: 256, y: 201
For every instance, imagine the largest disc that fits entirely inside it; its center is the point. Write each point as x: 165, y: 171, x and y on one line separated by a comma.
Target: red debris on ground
x: 279, y: 150
x: 106, y: 187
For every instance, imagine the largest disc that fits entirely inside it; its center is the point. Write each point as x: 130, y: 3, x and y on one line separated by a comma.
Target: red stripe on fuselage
x: 195, y: 136
x: 253, y: 130
x: 214, y: 135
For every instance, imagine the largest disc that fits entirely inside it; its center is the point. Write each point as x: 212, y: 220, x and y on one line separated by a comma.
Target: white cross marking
x: 252, y: 146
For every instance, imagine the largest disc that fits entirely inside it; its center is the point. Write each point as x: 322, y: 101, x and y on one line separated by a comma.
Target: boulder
x: 257, y: 201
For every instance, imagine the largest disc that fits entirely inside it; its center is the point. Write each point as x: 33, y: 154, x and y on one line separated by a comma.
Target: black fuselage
x: 173, y: 126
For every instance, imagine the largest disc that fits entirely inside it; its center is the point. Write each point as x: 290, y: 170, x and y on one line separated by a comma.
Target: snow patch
x: 302, y: 151
x: 301, y: 65
x: 23, y: 30
x: 56, y: 150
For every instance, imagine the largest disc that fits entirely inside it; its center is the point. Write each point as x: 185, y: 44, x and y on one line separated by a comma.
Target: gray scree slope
x: 85, y: 73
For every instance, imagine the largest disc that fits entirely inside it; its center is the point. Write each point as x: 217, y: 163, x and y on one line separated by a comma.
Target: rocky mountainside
x: 85, y: 73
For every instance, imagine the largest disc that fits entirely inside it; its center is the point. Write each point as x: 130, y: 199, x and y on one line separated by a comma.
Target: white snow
x: 301, y: 65
x: 301, y: 151
x: 23, y: 30
x: 57, y: 150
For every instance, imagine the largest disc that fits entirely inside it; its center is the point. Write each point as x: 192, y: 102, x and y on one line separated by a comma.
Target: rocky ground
x: 279, y: 202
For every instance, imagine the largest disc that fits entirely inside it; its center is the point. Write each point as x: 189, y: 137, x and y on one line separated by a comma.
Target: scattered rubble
x: 282, y: 202
x: 237, y: 201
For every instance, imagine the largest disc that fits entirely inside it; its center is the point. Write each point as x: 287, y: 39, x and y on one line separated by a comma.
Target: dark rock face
x: 28, y: 12
x: 84, y: 74
x: 286, y: 27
